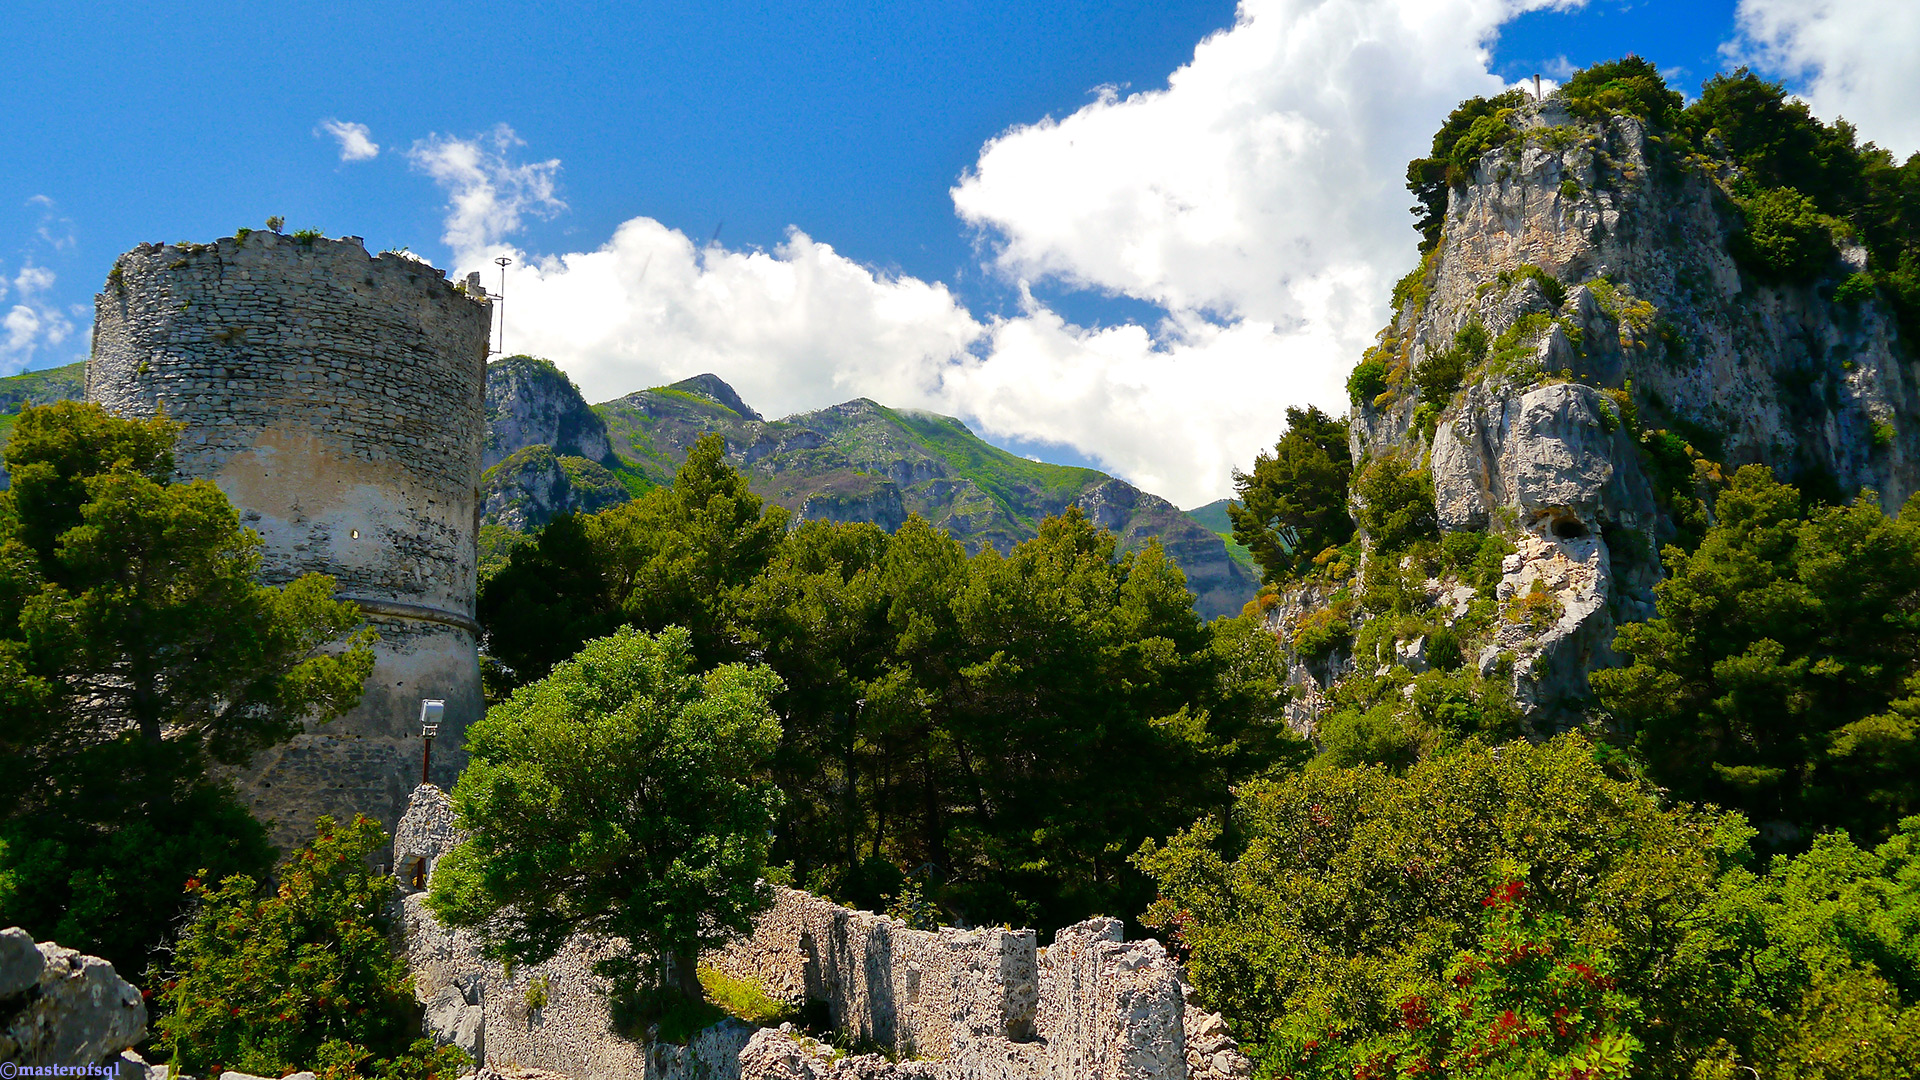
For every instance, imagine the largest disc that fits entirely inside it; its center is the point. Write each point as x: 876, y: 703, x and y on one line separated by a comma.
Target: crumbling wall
x: 337, y: 398
x: 952, y: 1004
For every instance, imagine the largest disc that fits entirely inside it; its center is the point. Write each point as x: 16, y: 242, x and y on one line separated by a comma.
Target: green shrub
x: 1440, y: 374
x: 1786, y: 237
x: 1367, y: 381
x: 1631, y: 86
x: 1334, y: 896
x: 298, y: 975
x: 1395, y: 504
x: 1881, y: 434
x: 1854, y: 289
x: 1569, y: 189
x: 743, y: 999
x: 1556, y: 292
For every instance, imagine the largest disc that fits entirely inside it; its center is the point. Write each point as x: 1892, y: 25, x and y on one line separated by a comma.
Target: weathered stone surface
x: 336, y: 398
x: 953, y: 1004
x: 78, y: 1011
x: 1603, y: 276
x: 534, y: 485
x: 1110, y: 1009
x: 531, y: 402
x: 20, y: 962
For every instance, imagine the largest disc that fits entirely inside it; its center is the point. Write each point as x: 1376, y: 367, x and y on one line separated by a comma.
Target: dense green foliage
x: 137, y: 649
x: 1631, y: 86
x: 1786, y: 236
x: 1782, y: 676
x: 1005, y: 727
x: 1367, y: 380
x: 299, y: 974
x: 1344, y: 916
x: 1478, y: 125
x: 624, y: 796
x: 1293, y: 505
x: 678, y: 555
x: 1393, y: 502
x: 1796, y: 167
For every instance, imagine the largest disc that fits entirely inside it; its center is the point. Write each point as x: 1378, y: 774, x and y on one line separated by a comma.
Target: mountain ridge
x: 862, y: 461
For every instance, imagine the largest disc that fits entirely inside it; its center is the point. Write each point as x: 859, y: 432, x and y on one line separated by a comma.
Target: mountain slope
x: 861, y: 461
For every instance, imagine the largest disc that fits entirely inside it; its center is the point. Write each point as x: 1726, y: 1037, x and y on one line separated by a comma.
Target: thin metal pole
x: 503, y: 262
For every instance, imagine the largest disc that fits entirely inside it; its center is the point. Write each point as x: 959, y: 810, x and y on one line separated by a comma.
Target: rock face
x: 533, y: 485
x: 530, y: 402
x: 946, y: 1004
x: 59, y: 1007
x: 1625, y: 355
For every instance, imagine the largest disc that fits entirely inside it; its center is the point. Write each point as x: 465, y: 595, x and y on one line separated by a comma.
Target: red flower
x: 1502, y: 895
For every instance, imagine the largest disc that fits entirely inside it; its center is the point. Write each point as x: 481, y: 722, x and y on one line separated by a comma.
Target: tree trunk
x: 683, y: 973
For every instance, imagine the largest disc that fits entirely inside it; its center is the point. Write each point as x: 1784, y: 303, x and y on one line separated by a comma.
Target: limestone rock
x: 532, y: 403
x: 533, y: 485
x: 20, y: 962
x: 79, y: 1011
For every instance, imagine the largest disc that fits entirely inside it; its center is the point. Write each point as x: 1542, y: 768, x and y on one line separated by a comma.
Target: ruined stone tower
x: 337, y: 399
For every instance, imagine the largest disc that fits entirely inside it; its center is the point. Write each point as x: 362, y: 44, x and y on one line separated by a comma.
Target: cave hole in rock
x: 1565, y: 525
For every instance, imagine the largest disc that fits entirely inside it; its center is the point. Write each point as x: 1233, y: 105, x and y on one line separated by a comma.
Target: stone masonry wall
x: 950, y: 1004
x: 337, y: 399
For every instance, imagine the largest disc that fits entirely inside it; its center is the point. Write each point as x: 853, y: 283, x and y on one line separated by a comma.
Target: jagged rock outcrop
x: 530, y: 402
x: 1613, y: 352
x: 61, y: 1007
x: 534, y: 485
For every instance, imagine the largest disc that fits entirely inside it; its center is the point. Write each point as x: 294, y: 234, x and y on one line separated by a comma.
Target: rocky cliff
x: 1573, y: 366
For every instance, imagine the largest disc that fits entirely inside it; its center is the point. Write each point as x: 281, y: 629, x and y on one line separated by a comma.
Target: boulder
x: 20, y: 962
x: 79, y: 1010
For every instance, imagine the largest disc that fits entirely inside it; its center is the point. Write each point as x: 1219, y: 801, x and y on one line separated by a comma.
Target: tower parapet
x: 337, y: 398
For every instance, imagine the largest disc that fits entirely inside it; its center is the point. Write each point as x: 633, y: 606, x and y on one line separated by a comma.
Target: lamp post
x: 431, y: 709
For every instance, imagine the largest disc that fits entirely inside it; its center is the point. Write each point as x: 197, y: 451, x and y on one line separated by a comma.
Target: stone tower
x: 338, y: 400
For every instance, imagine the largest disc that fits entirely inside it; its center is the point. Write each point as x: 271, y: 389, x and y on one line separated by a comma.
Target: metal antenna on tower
x: 502, y: 262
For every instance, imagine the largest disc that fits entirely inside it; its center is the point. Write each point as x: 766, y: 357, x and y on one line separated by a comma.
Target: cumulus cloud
x: 1258, y: 200
x: 794, y: 328
x: 490, y: 193
x: 356, y: 140
x: 33, y: 325
x: 1852, y: 59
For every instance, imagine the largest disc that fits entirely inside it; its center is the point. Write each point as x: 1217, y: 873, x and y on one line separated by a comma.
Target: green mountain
x: 862, y: 461
x: 37, y: 388
x: 1213, y: 518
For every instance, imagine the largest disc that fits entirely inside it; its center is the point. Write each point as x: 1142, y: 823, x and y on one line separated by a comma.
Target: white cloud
x: 1258, y: 199
x: 32, y: 325
x: 356, y: 140
x: 54, y: 230
x: 795, y: 328
x: 33, y: 279
x: 1852, y: 59
x: 489, y: 193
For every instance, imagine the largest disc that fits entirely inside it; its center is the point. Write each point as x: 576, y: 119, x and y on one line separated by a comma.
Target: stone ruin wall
x: 337, y: 399
x: 984, y: 1004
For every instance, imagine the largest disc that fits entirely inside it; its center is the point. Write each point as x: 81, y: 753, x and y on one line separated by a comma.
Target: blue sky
x: 949, y: 206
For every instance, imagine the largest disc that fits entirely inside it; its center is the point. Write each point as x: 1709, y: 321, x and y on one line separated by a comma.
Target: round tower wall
x: 337, y: 398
